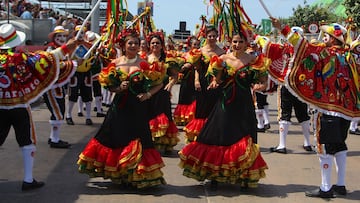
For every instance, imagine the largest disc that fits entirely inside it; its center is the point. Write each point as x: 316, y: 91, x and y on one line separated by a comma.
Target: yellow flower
x: 231, y: 71
x: 302, y: 77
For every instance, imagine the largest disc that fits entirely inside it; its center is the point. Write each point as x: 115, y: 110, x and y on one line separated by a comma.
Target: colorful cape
x: 24, y: 77
x: 323, y: 77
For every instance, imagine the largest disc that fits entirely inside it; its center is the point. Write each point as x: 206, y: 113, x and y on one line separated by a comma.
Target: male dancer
x: 55, y: 97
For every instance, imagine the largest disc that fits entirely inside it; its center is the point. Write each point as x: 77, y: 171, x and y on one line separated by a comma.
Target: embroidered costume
x: 122, y: 150
x: 55, y: 97
x: 205, y: 99
x: 225, y: 150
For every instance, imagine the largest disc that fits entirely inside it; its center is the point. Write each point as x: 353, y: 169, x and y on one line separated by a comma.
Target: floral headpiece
x: 125, y: 33
x: 155, y: 34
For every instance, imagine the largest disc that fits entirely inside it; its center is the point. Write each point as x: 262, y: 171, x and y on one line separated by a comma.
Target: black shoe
x: 88, y: 121
x: 260, y: 130
x: 95, y: 109
x: 103, y: 104
x: 213, y: 185
x: 80, y: 114
x: 61, y: 144
x: 320, y: 193
x: 267, y: 126
x: 355, y: 132
x: 100, y: 115
x: 108, y: 105
x: 281, y: 150
x: 30, y: 186
x: 49, y: 141
x: 339, y: 190
x: 70, y: 121
x: 308, y: 148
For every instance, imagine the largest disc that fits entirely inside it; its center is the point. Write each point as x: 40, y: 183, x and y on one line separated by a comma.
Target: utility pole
x: 95, y: 18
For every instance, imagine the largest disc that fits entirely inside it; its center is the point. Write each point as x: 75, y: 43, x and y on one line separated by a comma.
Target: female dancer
x: 225, y: 150
x: 144, y: 48
x: 185, y: 109
x: 122, y: 149
x: 163, y: 128
x: 205, y: 99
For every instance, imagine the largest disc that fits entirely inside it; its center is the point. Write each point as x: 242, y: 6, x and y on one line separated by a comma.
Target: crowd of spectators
x: 22, y: 9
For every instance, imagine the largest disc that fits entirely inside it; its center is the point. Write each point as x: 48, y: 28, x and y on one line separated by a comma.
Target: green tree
x: 352, y: 9
x: 305, y: 15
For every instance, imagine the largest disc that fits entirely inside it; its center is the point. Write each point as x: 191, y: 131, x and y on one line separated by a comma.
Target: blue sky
x: 168, y: 13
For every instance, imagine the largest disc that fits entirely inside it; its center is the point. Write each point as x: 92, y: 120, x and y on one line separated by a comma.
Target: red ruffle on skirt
x: 193, y: 128
x: 170, y: 139
x: 159, y: 125
x: 239, y: 163
x: 183, y: 114
x: 129, y: 164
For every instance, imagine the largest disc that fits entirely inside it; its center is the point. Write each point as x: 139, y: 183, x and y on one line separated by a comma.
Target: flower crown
x: 155, y: 34
x: 125, y: 33
x: 189, y: 39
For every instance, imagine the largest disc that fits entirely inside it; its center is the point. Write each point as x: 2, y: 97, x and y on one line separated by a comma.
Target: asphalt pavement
x: 288, y: 177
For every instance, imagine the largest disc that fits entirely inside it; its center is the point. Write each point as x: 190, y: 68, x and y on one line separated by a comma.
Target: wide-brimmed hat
x: 58, y: 29
x: 297, y: 29
x: 90, y: 36
x: 335, y: 30
x: 78, y: 27
x: 9, y: 37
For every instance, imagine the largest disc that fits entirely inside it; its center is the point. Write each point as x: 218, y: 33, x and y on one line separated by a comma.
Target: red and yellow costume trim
x: 164, y: 131
x: 129, y: 164
x: 183, y: 114
x: 245, y: 165
x: 193, y: 128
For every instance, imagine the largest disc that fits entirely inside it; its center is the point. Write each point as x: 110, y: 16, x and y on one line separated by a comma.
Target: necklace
x: 238, y: 55
x: 127, y: 60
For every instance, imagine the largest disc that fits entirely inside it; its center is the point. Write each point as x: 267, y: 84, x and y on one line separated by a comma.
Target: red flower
x: 144, y: 65
x: 337, y: 33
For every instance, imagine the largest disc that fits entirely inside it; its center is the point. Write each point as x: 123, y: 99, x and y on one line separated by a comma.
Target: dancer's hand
x: 213, y: 85
x: 276, y: 23
x: 144, y: 96
x: 197, y: 85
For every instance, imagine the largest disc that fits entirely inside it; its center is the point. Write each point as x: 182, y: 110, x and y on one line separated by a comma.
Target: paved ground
x: 287, y: 178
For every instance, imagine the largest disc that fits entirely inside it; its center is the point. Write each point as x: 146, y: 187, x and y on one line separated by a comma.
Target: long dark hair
x: 162, y: 43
